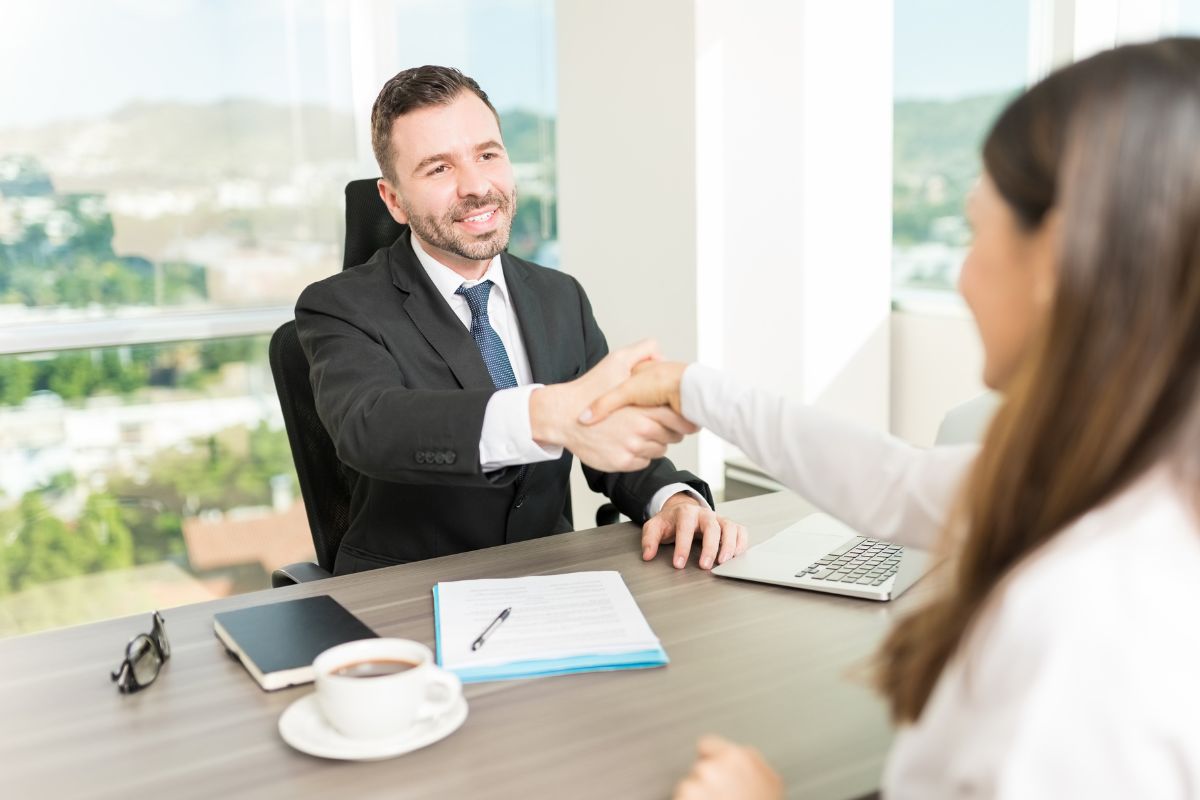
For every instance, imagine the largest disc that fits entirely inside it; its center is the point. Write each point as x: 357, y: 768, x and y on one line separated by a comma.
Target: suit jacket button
x: 439, y: 458
x: 420, y: 457
x: 451, y: 457
x: 520, y: 502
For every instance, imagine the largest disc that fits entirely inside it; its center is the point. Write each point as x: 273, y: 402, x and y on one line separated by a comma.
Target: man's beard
x: 440, y: 231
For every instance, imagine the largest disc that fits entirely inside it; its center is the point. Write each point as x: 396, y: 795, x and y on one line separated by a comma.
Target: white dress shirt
x: 507, y: 436
x: 1079, y: 678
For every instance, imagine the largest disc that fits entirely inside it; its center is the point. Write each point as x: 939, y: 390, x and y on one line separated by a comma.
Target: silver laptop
x: 822, y: 554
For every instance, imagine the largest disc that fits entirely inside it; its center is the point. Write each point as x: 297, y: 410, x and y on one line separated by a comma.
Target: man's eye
x: 489, y: 156
x: 438, y: 170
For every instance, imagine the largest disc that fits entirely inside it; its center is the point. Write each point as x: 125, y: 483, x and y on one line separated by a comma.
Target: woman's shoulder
x: 1142, y: 539
x: 1115, y: 590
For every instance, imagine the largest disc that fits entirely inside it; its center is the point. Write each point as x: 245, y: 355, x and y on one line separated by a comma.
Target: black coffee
x: 374, y: 668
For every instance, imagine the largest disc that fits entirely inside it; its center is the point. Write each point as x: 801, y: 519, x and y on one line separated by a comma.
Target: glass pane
x: 140, y: 478
x: 194, y: 154
x: 508, y: 47
x: 957, y: 63
x: 1189, y: 17
x: 187, y: 154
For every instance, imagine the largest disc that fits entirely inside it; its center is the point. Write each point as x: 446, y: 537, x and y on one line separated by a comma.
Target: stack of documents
x: 559, y: 624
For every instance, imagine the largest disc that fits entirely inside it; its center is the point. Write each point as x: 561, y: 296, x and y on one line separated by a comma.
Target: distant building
x: 44, y: 436
x: 266, y: 537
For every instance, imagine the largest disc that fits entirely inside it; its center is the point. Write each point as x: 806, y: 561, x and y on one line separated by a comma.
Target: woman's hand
x: 726, y: 770
x: 653, y: 383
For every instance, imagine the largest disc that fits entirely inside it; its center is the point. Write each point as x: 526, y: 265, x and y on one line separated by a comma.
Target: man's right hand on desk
x: 626, y: 440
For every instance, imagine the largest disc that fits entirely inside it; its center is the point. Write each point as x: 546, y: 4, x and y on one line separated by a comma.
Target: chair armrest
x: 300, y: 572
x: 607, y: 514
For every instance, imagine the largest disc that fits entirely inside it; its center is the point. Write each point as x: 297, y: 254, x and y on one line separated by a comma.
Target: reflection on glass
x: 141, y: 477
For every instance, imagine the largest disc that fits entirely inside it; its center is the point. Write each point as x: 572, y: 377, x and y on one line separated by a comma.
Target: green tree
x: 528, y: 136
x: 119, y: 372
x: 71, y: 375
x: 183, y: 282
x: 44, y: 548
x: 10, y: 525
x: 37, y: 547
x: 105, y: 532
x: 16, y: 380
x: 230, y: 469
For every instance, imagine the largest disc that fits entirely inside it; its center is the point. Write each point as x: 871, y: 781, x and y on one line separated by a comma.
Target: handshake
x: 619, y: 415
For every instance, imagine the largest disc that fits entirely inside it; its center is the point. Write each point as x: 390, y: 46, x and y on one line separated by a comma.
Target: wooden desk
x: 759, y: 664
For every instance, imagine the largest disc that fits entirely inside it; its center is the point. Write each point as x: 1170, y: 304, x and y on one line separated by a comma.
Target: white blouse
x: 1081, y: 678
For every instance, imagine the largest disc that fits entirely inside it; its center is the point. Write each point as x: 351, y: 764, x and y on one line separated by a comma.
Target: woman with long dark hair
x: 1058, y: 655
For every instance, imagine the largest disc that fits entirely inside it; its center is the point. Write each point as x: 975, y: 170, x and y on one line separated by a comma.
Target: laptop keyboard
x: 861, y: 561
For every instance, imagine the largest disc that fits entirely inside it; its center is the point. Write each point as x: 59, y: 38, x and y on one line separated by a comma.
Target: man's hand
x: 680, y: 519
x: 625, y: 441
x: 726, y: 770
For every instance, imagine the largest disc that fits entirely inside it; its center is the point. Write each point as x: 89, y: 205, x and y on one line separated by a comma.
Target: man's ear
x: 391, y: 199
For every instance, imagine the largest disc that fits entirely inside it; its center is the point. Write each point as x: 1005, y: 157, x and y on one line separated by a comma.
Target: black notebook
x: 278, y: 642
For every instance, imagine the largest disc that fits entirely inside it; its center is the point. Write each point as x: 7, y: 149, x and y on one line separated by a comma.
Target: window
x: 171, y: 177
x: 956, y: 65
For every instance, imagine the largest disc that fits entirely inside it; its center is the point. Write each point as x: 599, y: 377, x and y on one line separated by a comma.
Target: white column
x: 626, y: 174
x: 800, y: 173
x: 724, y: 178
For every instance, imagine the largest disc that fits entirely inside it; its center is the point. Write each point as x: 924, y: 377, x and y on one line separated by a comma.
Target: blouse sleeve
x: 875, y: 483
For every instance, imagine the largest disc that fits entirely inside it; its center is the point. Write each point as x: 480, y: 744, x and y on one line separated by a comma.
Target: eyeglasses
x: 144, y: 657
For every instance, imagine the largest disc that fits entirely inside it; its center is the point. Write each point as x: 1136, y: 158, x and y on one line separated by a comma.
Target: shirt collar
x: 447, y: 280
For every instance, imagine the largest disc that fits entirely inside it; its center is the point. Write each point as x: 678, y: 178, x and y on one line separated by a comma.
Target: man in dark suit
x: 451, y: 375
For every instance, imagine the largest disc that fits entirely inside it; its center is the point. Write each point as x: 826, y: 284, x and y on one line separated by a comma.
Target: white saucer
x: 303, y: 726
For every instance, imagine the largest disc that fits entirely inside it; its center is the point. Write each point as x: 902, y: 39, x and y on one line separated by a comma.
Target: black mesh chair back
x: 369, y: 226
x: 323, y: 481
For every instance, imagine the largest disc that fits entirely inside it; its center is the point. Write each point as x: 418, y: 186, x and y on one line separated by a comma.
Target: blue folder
x: 539, y: 668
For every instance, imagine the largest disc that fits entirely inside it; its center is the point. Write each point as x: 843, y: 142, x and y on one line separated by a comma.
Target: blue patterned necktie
x: 490, y: 345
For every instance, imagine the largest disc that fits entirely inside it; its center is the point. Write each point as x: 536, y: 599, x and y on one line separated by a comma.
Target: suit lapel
x: 434, y: 319
x: 534, y: 333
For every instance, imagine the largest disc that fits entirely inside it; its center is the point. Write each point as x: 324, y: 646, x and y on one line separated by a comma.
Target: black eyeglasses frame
x: 154, y: 644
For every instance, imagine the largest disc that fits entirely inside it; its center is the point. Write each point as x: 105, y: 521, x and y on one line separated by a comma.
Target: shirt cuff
x: 667, y: 492
x: 507, y: 437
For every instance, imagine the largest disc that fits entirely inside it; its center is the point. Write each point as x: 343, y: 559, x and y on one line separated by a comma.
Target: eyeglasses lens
x: 144, y: 657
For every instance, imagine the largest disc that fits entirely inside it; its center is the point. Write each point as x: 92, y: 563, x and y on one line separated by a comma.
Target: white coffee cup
x: 405, y: 688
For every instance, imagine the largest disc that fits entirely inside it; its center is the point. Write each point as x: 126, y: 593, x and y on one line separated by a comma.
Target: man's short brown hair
x: 409, y: 90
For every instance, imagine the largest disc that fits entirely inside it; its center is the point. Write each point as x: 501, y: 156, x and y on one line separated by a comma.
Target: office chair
x: 369, y: 226
x: 323, y: 482
x: 967, y: 422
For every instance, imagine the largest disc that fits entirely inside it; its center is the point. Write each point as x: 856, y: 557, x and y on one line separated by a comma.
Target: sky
x: 946, y: 49
x: 119, y: 51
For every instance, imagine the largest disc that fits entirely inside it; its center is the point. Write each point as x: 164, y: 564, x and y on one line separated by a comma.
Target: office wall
x: 797, y: 200
x: 627, y: 177
x: 724, y: 186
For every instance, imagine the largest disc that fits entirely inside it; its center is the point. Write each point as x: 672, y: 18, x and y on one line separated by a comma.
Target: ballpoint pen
x: 503, y: 615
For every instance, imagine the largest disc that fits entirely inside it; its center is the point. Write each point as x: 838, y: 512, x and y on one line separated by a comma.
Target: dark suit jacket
x: 401, y: 387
